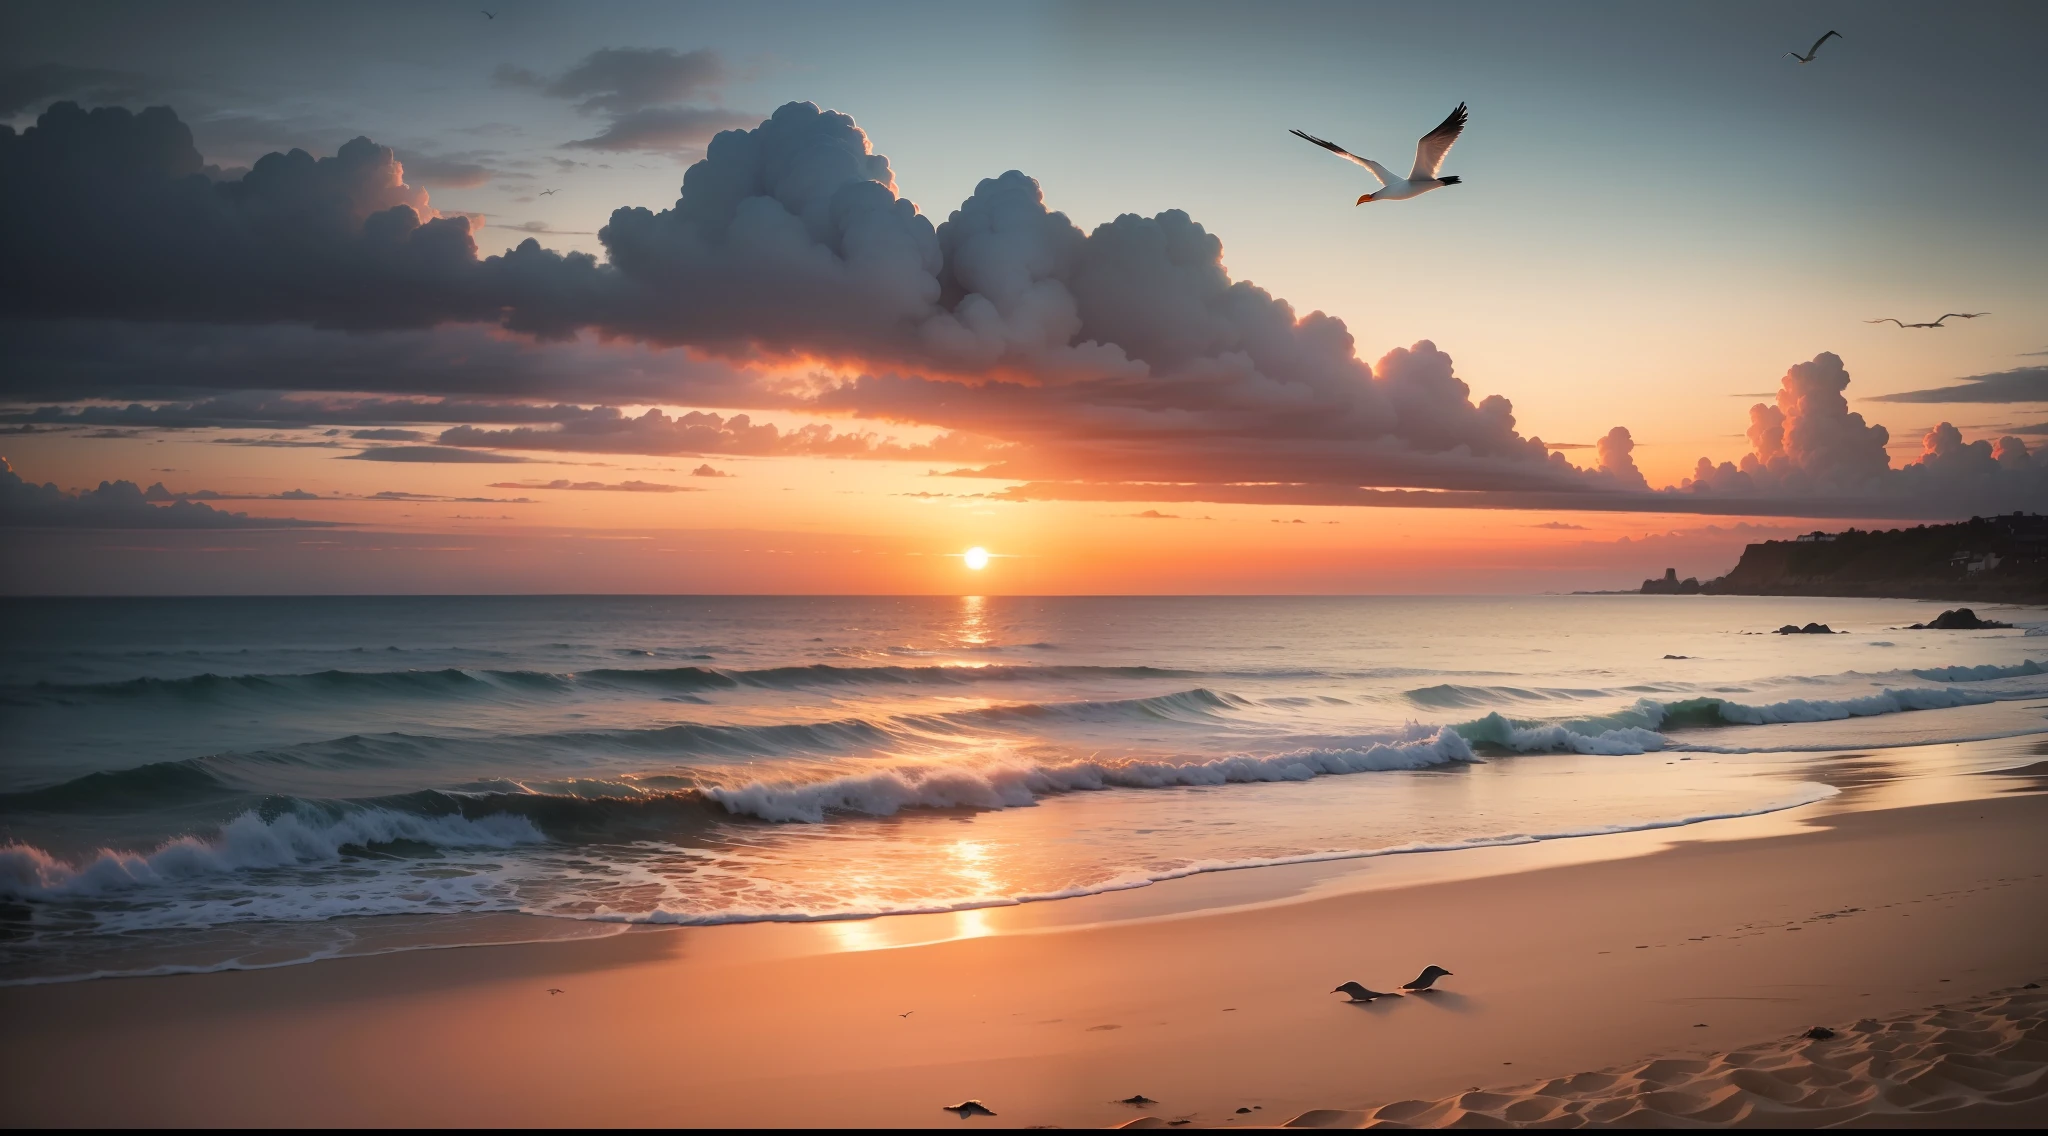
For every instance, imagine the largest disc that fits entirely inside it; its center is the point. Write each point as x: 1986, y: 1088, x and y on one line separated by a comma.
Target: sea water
x: 193, y: 784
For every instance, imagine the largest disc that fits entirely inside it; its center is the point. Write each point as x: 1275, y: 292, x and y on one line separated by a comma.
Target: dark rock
x: 1809, y: 629
x: 1961, y: 619
x: 1244, y: 1110
x: 1819, y: 1033
x: 1678, y: 656
x: 1141, y: 1098
x: 969, y: 1108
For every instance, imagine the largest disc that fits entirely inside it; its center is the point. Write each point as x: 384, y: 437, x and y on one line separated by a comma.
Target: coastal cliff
x: 1989, y: 559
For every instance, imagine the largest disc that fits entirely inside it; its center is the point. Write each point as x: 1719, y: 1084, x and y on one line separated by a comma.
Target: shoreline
x: 1206, y: 994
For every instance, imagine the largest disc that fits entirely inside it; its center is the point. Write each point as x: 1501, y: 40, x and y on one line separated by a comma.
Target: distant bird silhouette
x: 906, y: 1013
x: 554, y: 990
x: 969, y: 1108
x: 487, y: 15
x: 1429, y: 158
x: 1815, y: 49
x: 1361, y: 994
x: 546, y: 192
x: 1936, y: 323
x: 1427, y: 978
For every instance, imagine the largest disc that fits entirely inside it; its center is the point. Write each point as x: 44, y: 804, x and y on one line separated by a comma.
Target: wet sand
x: 1206, y: 996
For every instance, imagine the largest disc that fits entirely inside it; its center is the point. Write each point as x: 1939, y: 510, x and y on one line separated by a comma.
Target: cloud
x: 664, y: 128
x: 1810, y: 447
x: 705, y: 470
x: 605, y: 429
x: 640, y: 91
x: 1559, y: 525
x: 104, y: 358
x: 338, y: 241
x: 617, y: 80
x: 2023, y: 384
x: 22, y: 87
x: 432, y: 454
x: 388, y: 435
x: 1093, y: 365
x: 115, y: 505
x: 598, y: 486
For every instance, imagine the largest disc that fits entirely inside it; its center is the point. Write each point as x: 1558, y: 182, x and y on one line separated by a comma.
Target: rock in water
x: 1819, y: 1033
x: 1809, y: 629
x: 1961, y: 619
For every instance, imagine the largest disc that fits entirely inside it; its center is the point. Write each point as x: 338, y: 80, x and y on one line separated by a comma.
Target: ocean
x: 213, y: 783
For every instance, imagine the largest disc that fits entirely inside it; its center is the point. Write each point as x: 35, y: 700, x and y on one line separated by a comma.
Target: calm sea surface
x: 205, y: 783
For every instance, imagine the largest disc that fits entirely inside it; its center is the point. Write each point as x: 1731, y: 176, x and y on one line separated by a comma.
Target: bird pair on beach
x: 1423, y: 984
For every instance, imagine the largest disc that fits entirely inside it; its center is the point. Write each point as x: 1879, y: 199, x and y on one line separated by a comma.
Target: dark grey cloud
x: 664, y: 129
x: 618, y: 80
x: 339, y: 241
x: 2022, y: 384
x: 51, y: 360
x: 25, y: 86
x: 433, y: 454
x: 606, y: 429
x: 642, y: 92
x: 116, y: 505
x: 387, y: 434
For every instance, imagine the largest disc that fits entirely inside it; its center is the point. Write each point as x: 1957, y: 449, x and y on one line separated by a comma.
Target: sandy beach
x: 1207, y: 996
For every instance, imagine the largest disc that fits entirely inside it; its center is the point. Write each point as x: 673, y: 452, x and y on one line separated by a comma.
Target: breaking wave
x: 1641, y: 727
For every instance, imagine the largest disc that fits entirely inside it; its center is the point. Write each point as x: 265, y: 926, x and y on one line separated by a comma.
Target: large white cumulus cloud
x: 1810, y: 445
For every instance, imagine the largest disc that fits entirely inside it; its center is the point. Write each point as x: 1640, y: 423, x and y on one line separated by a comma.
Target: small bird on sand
x: 969, y: 1108
x: 1426, y: 979
x: 1429, y: 158
x: 1815, y: 49
x: 1361, y: 994
x: 1936, y: 323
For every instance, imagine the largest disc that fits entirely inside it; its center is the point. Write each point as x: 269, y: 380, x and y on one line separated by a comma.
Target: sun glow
x: 976, y: 558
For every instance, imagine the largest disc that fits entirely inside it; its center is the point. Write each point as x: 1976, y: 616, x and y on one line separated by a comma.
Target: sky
x: 1051, y: 280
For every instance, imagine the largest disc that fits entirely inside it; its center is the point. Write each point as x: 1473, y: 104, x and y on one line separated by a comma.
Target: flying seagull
x: 1361, y: 994
x: 1936, y: 323
x: 487, y: 15
x: 545, y: 192
x: 1814, y: 50
x: 1426, y: 979
x: 1429, y: 157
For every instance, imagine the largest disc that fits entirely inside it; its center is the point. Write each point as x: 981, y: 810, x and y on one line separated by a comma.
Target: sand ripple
x: 1982, y: 1063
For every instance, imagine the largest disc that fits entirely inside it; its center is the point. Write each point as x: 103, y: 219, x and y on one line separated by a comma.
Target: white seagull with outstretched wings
x: 1429, y: 158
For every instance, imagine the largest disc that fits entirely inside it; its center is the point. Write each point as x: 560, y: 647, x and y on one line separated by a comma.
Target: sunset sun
x: 976, y: 558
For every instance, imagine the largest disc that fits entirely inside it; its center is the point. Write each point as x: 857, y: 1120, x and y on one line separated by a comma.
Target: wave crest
x: 1012, y: 786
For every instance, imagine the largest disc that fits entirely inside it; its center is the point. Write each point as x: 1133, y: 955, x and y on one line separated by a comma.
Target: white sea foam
x: 1016, y: 785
